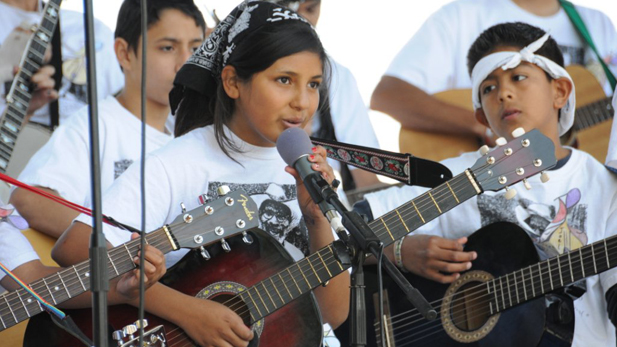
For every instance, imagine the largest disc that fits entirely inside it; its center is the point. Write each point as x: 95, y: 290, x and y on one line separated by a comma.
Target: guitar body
x: 502, y: 248
x: 593, y: 139
x: 296, y: 324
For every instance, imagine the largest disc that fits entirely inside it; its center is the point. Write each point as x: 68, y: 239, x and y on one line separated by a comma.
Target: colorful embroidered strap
x: 402, y: 167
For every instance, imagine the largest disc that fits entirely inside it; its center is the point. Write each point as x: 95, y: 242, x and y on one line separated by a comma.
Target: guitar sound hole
x: 235, y: 304
x: 470, y: 308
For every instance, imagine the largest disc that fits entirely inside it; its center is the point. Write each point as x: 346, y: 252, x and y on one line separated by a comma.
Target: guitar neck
x: 554, y: 273
x: 275, y: 292
x: 17, y: 306
x: 20, y: 94
x: 593, y: 114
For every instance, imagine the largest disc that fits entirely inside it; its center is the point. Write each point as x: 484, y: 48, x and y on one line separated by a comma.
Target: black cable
x: 380, y: 295
x: 142, y: 258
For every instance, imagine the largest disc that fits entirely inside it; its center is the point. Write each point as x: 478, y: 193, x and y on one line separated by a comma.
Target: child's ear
x: 562, y: 88
x: 123, y: 53
x: 481, y: 117
x: 229, y: 77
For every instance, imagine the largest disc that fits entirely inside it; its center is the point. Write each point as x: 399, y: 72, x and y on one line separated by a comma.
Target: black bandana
x: 203, y: 69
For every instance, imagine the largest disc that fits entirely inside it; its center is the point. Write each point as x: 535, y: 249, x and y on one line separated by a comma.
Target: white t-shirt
x: 582, y: 188
x: 349, y: 113
x: 63, y: 163
x: 15, y: 249
x: 73, y: 95
x: 435, y: 59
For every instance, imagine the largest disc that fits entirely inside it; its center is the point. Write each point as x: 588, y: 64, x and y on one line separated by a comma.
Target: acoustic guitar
x: 234, y: 213
x: 590, y: 132
x: 260, y: 282
x: 500, y: 302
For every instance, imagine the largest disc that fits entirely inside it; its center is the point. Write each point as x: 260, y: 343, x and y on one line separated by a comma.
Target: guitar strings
x: 575, y: 269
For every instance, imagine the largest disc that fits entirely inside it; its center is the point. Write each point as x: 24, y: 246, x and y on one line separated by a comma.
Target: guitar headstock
x: 231, y: 214
x: 512, y: 162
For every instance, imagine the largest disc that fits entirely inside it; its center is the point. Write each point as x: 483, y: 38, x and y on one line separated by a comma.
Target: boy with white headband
x: 519, y: 81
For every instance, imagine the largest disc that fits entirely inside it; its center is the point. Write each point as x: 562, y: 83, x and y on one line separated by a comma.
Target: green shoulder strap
x: 582, y: 29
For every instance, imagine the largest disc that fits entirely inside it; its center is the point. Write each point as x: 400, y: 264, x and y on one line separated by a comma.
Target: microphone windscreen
x: 292, y: 144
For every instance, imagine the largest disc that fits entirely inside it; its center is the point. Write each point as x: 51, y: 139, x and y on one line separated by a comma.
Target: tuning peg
x: 248, y: 239
x: 204, y: 253
x: 129, y: 330
x: 203, y: 199
x: 182, y: 207
x: 501, y: 141
x: 225, y: 245
x: 510, y: 193
x: 139, y: 325
x: 484, y: 149
x: 527, y: 185
x: 544, y: 177
x: 118, y: 335
x: 518, y: 132
x: 223, y: 190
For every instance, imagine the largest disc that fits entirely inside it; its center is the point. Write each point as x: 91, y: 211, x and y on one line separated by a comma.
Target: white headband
x: 510, y: 60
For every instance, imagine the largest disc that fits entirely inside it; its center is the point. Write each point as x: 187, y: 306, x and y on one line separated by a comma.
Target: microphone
x: 294, y: 146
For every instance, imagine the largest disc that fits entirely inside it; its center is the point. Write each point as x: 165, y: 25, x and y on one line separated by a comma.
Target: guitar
x: 591, y: 129
x: 219, y: 219
x: 498, y: 303
x: 261, y: 283
x: 18, y: 99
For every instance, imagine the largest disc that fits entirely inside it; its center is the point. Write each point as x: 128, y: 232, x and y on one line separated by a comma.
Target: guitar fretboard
x: 300, y: 278
x: 20, y: 94
x: 593, y: 114
x: 17, y: 306
x: 554, y: 273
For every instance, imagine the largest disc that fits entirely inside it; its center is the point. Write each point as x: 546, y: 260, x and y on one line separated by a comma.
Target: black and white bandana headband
x: 202, y: 70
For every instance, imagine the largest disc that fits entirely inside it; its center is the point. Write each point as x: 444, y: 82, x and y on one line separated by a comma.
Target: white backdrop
x: 361, y: 34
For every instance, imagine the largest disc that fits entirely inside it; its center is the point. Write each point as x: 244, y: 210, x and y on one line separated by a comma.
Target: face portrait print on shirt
x: 276, y: 215
x: 555, y: 228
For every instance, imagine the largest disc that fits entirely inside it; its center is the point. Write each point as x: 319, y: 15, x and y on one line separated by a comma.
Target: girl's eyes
x: 519, y: 77
x: 284, y: 80
x: 314, y: 85
x: 167, y: 48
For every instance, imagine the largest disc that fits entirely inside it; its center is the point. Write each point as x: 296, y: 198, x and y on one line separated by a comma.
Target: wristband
x: 398, y: 258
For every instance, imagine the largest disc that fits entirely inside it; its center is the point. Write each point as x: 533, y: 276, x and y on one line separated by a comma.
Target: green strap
x: 582, y: 29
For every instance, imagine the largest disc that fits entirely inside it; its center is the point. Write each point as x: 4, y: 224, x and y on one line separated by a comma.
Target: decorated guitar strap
x: 580, y: 26
x: 402, y: 167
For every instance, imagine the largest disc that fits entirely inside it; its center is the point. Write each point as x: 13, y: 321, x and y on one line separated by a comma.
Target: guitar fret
x: 452, y: 191
x: 518, y: 300
x: 268, y: 292
x: 10, y: 308
x: 418, y: 212
x: 435, y: 202
x: 509, y: 291
x: 49, y: 290
x: 402, y: 221
x: 282, y: 281
x: 63, y: 284
x: 533, y: 287
x: 302, y: 273
x: 387, y: 229
x: 580, y: 252
x: 32, y: 55
x: 292, y: 277
x: 540, y: 275
x: 503, y: 295
x: 277, y: 291
x: 79, y: 278
x: 254, y: 303
x: 550, y: 273
x: 324, y: 265
x: 495, y: 294
x: 560, y: 272
x: 523, y: 282
x: 23, y: 303
x: 261, y: 299
x: 570, y: 262
x: 608, y: 264
x: 111, y: 261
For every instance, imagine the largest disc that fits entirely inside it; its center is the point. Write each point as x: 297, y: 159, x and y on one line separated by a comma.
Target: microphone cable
x: 142, y: 257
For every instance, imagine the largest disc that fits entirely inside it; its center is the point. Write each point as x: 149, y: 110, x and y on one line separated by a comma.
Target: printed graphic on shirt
x: 120, y: 166
x: 573, y: 55
x: 555, y: 229
x: 276, y: 216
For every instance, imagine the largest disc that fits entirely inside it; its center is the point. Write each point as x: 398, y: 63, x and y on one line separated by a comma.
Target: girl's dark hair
x: 511, y: 34
x: 129, y: 17
x: 255, y: 53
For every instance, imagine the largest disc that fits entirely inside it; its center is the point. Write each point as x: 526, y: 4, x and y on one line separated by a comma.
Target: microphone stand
x: 363, y: 241
x: 99, y: 282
